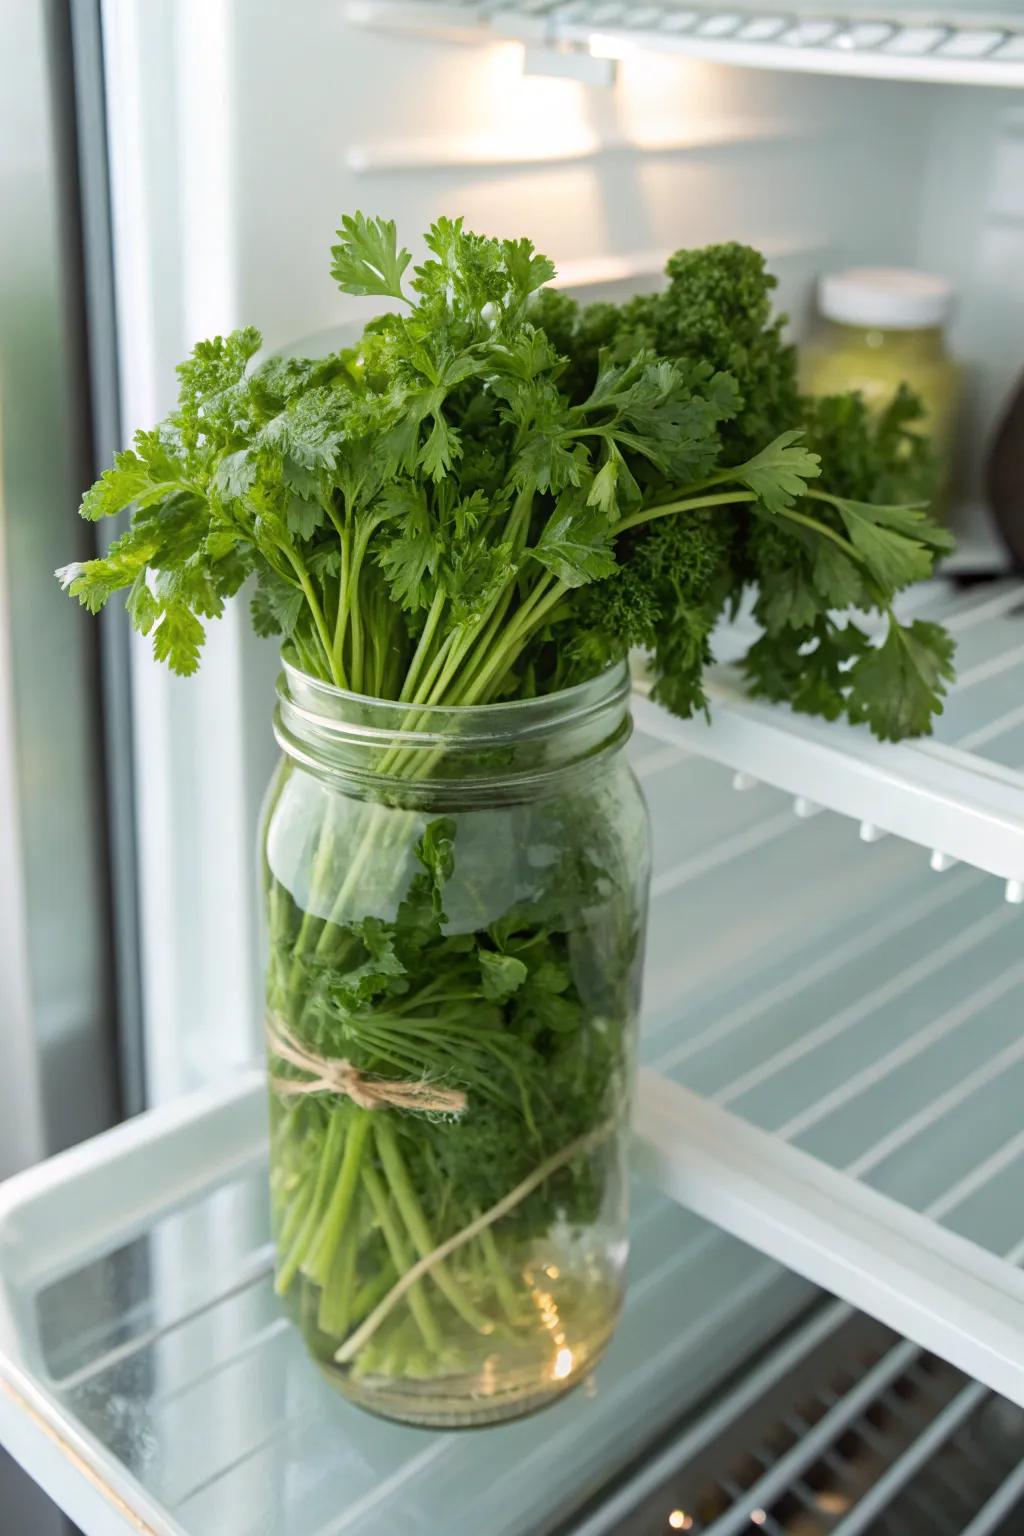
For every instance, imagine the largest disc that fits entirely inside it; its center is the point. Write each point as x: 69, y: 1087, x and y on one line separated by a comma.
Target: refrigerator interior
x: 835, y: 992
x: 236, y: 142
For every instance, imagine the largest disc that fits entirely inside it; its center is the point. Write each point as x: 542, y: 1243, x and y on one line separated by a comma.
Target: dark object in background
x: 1004, y: 477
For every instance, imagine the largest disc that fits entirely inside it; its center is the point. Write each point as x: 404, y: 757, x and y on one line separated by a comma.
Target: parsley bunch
x: 494, y: 493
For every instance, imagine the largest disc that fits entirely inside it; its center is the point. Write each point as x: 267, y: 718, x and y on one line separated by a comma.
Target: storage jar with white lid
x: 881, y: 327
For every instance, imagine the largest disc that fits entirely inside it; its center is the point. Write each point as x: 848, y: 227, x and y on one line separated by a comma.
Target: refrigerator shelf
x: 833, y: 1077
x: 893, y: 42
x: 195, y: 1409
x: 150, y: 1384
x: 959, y: 794
x: 841, y: 1427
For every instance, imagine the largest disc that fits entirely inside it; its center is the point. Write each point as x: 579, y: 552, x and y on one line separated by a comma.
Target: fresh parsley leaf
x: 576, y: 544
x: 899, y: 686
x: 441, y: 449
x: 526, y: 268
x: 779, y: 473
x: 897, y: 544
x: 276, y: 603
x: 500, y: 975
x: 178, y: 638
x: 303, y: 517
x: 367, y: 259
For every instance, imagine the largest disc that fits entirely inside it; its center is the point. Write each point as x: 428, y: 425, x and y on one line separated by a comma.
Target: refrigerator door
x: 59, y: 1082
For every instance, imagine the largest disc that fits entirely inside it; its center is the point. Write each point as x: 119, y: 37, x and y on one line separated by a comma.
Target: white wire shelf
x: 836, y: 1062
x: 833, y: 1043
x: 841, y: 1427
x: 959, y: 794
x: 887, y: 41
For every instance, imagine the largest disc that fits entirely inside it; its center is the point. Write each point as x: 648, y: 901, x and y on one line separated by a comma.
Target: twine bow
x: 333, y: 1074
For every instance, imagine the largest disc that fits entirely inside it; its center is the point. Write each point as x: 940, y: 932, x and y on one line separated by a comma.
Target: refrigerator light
x: 607, y: 45
x: 567, y: 63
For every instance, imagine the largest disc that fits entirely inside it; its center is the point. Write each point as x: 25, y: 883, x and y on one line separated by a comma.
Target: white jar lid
x: 891, y: 298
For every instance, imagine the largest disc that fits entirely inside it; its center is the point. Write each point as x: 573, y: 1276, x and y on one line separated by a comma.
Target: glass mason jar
x: 882, y: 327
x: 455, y: 903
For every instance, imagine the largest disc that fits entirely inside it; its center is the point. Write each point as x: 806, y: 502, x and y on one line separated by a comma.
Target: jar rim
x: 358, y: 735
x: 605, y: 687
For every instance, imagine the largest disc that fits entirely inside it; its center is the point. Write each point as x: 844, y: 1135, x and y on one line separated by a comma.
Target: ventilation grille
x: 866, y: 1436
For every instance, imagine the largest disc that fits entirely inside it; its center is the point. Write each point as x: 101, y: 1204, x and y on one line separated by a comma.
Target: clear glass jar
x: 882, y: 327
x: 875, y: 362
x: 455, y: 904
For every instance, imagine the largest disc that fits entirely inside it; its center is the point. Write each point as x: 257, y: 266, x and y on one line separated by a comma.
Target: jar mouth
x: 360, y: 736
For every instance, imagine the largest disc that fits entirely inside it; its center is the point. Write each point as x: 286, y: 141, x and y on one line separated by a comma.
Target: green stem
x: 411, y: 1274
x: 444, y: 650
x: 362, y: 540
x: 295, y: 1215
x: 306, y: 584
x: 792, y: 516
x: 401, y: 1258
x: 310, y: 922
x: 423, y: 647
x: 289, y: 1266
x: 317, y: 1265
x: 418, y: 1229
x: 530, y: 616
x: 499, y: 1275
x: 687, y: 504
x: 338, y: 1293
x: 371, y: 1291
x: 489, y: 637
x: 341, y: 622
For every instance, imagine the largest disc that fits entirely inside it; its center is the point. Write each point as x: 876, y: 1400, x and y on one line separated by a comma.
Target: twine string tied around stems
x: 333, y: 1074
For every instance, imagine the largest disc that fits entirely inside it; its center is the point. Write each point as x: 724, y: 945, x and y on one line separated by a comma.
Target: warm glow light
x: 758, y: 1516
x: 679, y: 1520
x: 563, y: 1364
x: 552, y: 1271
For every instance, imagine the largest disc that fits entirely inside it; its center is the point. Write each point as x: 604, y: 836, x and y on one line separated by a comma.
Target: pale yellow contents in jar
x: 876, y: 362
